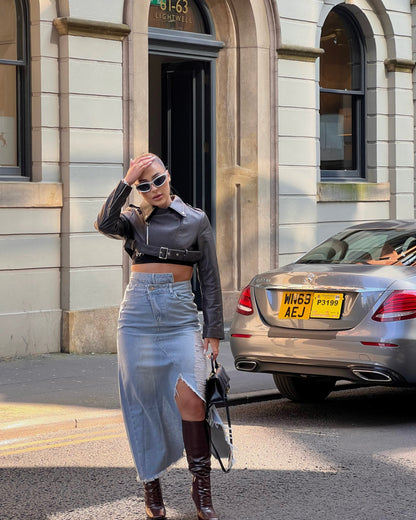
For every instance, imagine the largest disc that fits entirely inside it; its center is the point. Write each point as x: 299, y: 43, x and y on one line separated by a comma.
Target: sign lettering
x: 178, y: 6
x: 176, y: 15
x: 172, y: 18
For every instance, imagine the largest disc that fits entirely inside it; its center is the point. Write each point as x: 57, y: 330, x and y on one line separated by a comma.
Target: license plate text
x: 306, y: 305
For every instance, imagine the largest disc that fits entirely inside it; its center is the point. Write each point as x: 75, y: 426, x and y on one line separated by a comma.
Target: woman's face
x: 157, y: 196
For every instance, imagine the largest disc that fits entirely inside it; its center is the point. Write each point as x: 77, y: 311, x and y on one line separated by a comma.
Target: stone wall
x: 61, y: 281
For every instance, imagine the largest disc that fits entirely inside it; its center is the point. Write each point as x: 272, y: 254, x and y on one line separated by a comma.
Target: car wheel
x: 304, y: 389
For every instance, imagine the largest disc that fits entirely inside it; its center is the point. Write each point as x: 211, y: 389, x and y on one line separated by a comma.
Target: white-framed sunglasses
x: 145, y: 187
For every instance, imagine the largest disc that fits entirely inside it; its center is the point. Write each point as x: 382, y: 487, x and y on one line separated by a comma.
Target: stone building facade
x: 285, y: 120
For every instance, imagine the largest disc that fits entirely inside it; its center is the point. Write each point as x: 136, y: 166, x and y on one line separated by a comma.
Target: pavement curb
x: 253, y: 397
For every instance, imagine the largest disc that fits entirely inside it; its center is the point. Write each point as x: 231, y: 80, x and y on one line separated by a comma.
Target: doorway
x: 180, y: 125
x: 181, y: 130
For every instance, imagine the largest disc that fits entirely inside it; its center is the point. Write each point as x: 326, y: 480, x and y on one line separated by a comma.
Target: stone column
x: 401, y: 135
x: 91, y: 165
x: 298, y: 135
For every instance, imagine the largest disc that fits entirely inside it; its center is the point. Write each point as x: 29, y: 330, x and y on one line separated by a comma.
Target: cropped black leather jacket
x: 182, y: 227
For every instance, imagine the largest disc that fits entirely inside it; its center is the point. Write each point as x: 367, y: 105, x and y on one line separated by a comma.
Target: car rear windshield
x: 365, y: 246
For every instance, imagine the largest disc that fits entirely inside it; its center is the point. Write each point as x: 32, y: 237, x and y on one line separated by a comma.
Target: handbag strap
x: 214, y: 368
x: 214, y: 363
x: 230, y: 438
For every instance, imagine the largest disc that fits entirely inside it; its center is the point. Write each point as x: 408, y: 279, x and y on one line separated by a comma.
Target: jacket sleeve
x: 209, y: 278
x: 109, y: 221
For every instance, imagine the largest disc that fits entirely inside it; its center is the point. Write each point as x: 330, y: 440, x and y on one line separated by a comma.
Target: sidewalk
x: 63, y: 391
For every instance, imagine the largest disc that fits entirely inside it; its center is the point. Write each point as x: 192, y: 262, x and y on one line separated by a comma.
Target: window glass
x: 8, y: 30
x: 341, y: 98
x: 8, y: 106
x: 15, y: 115
x: 340, y: 64
x: 179, y: 15
x: 367, y: 246
x: 337, y: 144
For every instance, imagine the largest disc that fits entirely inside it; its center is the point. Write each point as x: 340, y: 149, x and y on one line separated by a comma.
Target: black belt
x: 166, y: 253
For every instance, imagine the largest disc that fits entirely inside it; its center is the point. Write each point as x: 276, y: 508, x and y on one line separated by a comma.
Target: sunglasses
x: 145, y: 187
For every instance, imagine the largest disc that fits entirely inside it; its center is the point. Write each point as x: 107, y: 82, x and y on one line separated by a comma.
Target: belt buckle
x: 163, y: 253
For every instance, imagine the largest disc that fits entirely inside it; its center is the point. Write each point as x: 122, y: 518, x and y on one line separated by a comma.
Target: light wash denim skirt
x: 159, y: 342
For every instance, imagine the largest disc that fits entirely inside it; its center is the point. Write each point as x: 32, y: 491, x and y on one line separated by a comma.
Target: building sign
x: 177, y: 15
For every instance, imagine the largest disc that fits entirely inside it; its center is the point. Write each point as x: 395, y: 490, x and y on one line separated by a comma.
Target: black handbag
x: 221, y: 440
x: 218, y: 385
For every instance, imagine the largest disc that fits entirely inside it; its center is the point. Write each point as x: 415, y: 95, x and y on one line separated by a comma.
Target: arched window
x: 178, y: 15
x: 342, y: 94
x: 14, y: 91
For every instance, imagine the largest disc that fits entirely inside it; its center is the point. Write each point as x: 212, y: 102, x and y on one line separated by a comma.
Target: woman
x: 162, y: 356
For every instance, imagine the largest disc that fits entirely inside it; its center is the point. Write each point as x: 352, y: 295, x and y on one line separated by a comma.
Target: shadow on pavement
x: 355, y: 407
x: 59, y: 493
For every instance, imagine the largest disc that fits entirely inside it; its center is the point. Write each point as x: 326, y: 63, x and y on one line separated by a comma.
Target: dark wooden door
x: 186, y: 135
x: 186, y: 130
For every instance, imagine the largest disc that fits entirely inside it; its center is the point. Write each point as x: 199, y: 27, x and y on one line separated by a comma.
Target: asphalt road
x: 64, y: 453
x: 350, y: 457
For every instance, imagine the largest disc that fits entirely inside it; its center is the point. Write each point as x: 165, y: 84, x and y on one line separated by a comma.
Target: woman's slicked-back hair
x: 159, y: 161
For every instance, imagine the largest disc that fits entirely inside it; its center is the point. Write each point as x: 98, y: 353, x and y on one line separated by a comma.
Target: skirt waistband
x: 151, y: 278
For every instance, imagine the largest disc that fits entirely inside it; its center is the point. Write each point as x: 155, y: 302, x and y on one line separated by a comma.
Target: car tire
x: 304, y: 389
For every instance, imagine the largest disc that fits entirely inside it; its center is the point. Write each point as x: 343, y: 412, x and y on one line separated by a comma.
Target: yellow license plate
x: 297, y: 305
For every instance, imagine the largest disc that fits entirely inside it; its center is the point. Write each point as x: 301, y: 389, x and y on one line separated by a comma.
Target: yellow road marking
x: 5, y: 445
x: 7, y: 451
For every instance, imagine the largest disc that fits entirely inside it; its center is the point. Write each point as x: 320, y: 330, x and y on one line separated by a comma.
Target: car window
x: 369, y: 246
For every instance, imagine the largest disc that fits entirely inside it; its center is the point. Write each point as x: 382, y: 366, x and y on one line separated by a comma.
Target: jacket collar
x: 177, y: 205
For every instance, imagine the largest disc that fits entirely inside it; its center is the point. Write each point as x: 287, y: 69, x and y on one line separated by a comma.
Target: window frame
x: 21, y: 172
x: 358, y: 98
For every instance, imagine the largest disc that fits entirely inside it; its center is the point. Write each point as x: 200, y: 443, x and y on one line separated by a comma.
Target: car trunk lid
x: 323, y: 297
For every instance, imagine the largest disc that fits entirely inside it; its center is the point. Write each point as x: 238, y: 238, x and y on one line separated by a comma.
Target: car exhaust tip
x: 373, y: 376
x: 246, y: 366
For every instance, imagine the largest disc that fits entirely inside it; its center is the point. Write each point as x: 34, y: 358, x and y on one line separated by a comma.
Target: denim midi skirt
x: 159, y: 342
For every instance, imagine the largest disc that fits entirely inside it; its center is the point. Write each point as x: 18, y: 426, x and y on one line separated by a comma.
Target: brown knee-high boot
x: 153, y: 500
x: 196, y: 440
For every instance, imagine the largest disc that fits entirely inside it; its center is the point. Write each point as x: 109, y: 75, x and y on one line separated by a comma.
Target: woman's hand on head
x: 137, y: 167
x: 215, y: 346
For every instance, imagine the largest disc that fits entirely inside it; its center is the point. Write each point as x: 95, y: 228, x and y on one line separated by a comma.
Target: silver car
x: 346, y: 310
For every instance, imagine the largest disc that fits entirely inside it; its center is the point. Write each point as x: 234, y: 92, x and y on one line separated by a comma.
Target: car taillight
x: 378, y: 344
x: 245, y: 305
x: 400, y: 305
